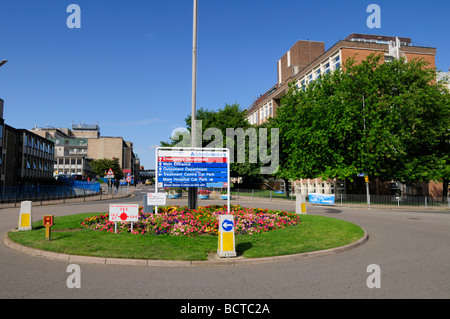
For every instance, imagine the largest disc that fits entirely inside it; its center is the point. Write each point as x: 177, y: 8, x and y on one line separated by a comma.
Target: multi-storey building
x: 26, y: 159
x: 70, y: 152
x: 2, y: 133
x: 306, y: 61
x: 77, y: 147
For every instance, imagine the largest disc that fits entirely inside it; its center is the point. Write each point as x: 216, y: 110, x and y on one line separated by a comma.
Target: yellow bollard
x: 25, y: 217
x: 226, y: 244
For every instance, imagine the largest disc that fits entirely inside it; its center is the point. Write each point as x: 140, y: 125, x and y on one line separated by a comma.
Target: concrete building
x: 77, y: 147
x: 27, y: 159
x: 2, y: 134
x: 70, y: 152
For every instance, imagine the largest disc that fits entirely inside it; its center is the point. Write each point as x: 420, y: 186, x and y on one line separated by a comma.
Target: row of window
x: 327, y: 66
x: 37, y: 165
x: 266, y: 110
x: 69, y: 161
x: 321, y: 188
x: 331, y: 64
x: 38, y: 144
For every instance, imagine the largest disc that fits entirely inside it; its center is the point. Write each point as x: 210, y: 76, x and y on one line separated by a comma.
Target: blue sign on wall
x: 324, y: 199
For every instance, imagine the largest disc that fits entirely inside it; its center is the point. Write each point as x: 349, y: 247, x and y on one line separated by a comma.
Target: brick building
x: 306, y: 61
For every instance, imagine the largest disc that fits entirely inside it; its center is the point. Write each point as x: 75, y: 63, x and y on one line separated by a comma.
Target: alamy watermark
x: 74, y: 19
x: 236, y: 142
x: 74, y: 279
x: 374, y: 20
x: 374, y: 279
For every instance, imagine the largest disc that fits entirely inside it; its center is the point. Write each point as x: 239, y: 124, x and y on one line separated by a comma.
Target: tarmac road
x: 411, y: 248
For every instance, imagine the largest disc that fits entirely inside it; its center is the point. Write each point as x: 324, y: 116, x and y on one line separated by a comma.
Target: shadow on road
x: 332, y: 211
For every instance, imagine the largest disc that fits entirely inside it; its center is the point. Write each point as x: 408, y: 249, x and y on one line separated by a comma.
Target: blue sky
x: 129, y: 66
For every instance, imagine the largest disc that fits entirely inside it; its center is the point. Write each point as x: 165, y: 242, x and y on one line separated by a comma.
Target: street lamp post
x: 365, y: 136
x: 192, y: 194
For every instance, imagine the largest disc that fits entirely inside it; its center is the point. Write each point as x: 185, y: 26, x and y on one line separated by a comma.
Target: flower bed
x: 174, y: 220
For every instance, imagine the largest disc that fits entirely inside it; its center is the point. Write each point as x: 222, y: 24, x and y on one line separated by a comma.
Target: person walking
x: 116, y: 186
x: 109, y: 186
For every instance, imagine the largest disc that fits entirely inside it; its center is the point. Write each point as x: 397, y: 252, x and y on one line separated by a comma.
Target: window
x: 327, y: 68
x: 388, y: 58
x: 337, y: 63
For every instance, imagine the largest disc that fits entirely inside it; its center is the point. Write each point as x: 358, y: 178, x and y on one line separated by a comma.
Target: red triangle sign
x: 110, y: 172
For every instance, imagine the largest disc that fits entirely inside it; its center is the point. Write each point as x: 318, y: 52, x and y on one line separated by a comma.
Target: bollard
x: 300, y: 204
x: 226, y: 241
x: 25, y: 217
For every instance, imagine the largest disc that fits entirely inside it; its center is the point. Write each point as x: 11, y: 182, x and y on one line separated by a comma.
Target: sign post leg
x: 192, y: 198
x: 47, y: 233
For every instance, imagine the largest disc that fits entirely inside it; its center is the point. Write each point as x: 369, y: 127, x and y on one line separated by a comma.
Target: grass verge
x: 312, y: 234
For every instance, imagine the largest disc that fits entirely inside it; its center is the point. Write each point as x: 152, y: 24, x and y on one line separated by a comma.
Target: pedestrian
x: 109, y: 185
x: 116, y: 185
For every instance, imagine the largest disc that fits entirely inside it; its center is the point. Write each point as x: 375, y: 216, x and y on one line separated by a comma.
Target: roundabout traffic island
x: 178, y: 236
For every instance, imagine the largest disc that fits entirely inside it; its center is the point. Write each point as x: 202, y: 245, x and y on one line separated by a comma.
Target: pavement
x: 410, y: 247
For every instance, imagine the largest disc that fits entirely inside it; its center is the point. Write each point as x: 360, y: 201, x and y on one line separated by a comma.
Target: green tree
x: 388, y: 120
x: 102, y: 166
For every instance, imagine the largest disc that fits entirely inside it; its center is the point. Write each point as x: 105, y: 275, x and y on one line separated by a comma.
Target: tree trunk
x: 286, y: 187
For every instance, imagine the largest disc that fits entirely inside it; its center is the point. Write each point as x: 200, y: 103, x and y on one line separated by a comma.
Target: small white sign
x: 123, y: 213
x: 156, y: 199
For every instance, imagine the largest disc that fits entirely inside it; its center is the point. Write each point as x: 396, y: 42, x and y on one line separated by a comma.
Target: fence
x: 12, y: 196
x: 46, y: 192
x: 393, y: 201
x: 354, y: 200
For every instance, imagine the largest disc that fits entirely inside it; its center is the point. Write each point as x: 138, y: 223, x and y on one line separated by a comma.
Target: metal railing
x: 58, y: 194
x: 353, y: 200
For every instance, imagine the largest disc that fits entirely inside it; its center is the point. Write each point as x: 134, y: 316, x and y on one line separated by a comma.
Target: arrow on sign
x: 227, y: 225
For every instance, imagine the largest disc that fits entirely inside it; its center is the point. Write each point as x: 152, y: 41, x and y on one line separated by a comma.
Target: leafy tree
x: 388, y: 120
x: 102, y: 166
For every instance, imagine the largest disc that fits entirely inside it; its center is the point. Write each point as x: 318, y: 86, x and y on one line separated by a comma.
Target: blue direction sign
x: 227, y: 225
x: 182, y: 164
x: 192, y: 169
